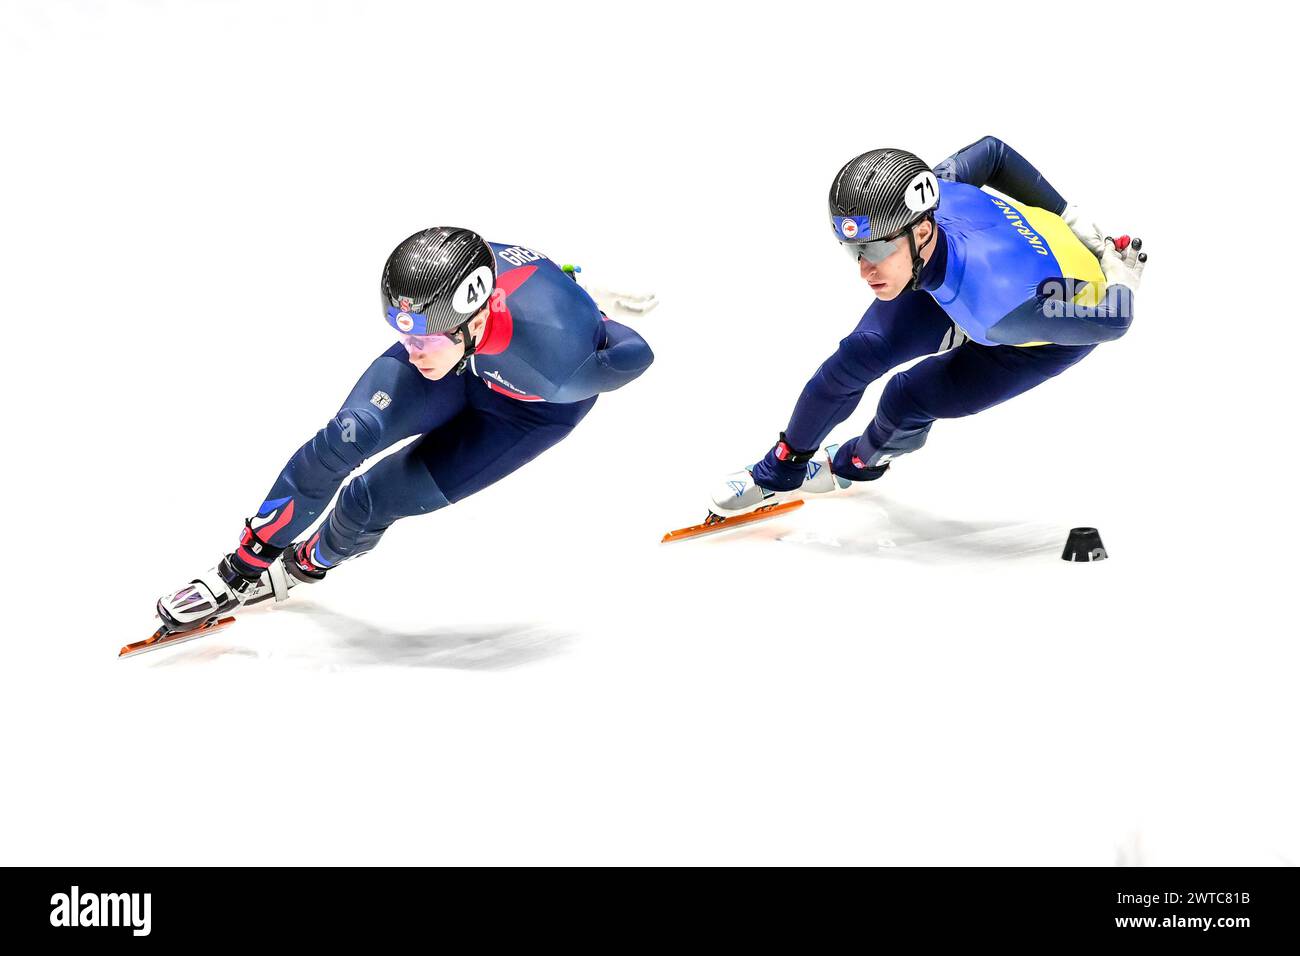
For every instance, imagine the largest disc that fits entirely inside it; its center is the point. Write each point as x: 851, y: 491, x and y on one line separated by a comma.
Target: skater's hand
x: 847, y: 464
x: 1085, y: 229
x: 1122, y: 262
x: 611, y: 301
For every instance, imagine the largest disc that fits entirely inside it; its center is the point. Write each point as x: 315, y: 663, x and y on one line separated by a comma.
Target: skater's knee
x: 351, y: 436
x: 900, y: 398
x: 862, y: 357
x: 396, y: 487
x: 356, y: 503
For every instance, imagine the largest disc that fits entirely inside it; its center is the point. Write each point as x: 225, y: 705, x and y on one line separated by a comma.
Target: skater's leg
x: 390, y: 402
x: 492, y: 437
x: 501, y: 438
x: 890, y: 333
x: 394, y: 487
x: 958, y: 383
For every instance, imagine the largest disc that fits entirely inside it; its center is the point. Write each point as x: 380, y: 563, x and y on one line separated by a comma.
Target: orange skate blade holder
x: 713, y: 523
x: 161, y: 638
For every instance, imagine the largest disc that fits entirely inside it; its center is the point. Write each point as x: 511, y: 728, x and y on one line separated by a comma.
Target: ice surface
x: 904, y: 674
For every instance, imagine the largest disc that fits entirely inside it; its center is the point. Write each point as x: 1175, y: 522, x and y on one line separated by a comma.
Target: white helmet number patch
x: 922, y: 192
x: 473, y: 292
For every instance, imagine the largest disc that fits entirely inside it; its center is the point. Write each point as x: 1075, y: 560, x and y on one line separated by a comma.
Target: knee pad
x: 355, y: 505
x: 862, y: 357
x: 902, y: 400
x: 351, y: 436
x: 349, y: 531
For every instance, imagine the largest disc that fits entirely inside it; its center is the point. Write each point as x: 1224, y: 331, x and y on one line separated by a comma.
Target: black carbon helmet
x: 437, y: 280
x: 879, y: 196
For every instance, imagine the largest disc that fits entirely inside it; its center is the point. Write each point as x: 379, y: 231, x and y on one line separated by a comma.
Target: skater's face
x: 436, y: 355
x: 893, y: 274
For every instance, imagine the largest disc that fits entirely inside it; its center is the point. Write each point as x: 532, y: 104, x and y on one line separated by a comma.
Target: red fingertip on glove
x: 1122, y: 243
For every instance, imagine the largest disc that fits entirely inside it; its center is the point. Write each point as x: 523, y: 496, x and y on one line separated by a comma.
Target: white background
x: 198, y: 198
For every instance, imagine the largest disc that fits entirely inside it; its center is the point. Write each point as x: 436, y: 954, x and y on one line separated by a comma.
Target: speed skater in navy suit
x: 500, y: 354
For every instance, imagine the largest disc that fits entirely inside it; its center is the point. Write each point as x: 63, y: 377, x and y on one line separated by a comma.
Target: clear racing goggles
x: 877, y: 250
x: 436, y: 342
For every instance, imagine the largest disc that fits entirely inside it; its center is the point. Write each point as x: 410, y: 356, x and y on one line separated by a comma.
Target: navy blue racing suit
x: 544, y: 356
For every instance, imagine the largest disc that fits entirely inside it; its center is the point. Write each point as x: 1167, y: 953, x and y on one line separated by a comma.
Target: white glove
x: 1122, y: 262
x: 610, y: 301
x: 1084, y: 228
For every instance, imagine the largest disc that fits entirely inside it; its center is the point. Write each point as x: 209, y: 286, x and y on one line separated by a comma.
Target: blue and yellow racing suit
x: 1009, y: 298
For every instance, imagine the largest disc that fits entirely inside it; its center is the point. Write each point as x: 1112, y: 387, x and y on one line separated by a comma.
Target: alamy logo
x: 1066, y: 298
x: 102, y: 909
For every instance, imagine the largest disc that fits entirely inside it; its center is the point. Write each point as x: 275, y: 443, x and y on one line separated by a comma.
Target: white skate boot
x: 221, y: 590
x: 739, y: 495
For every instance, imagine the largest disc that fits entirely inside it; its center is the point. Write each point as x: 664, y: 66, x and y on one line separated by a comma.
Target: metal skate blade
x: 161, y: 638
x: 714, y: 524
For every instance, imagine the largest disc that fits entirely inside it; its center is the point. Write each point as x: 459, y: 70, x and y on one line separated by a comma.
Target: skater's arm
x: 624, y: 356
x: 1053, y: 315
x: 991, y: 162
x: 1064, y: 323
x: 834, y: 391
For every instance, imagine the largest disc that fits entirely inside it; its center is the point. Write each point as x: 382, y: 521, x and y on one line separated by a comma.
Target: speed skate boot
x: 219, y: 591
x: 303, y: 562
x: 226, y: 587
x: 740, y: 495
